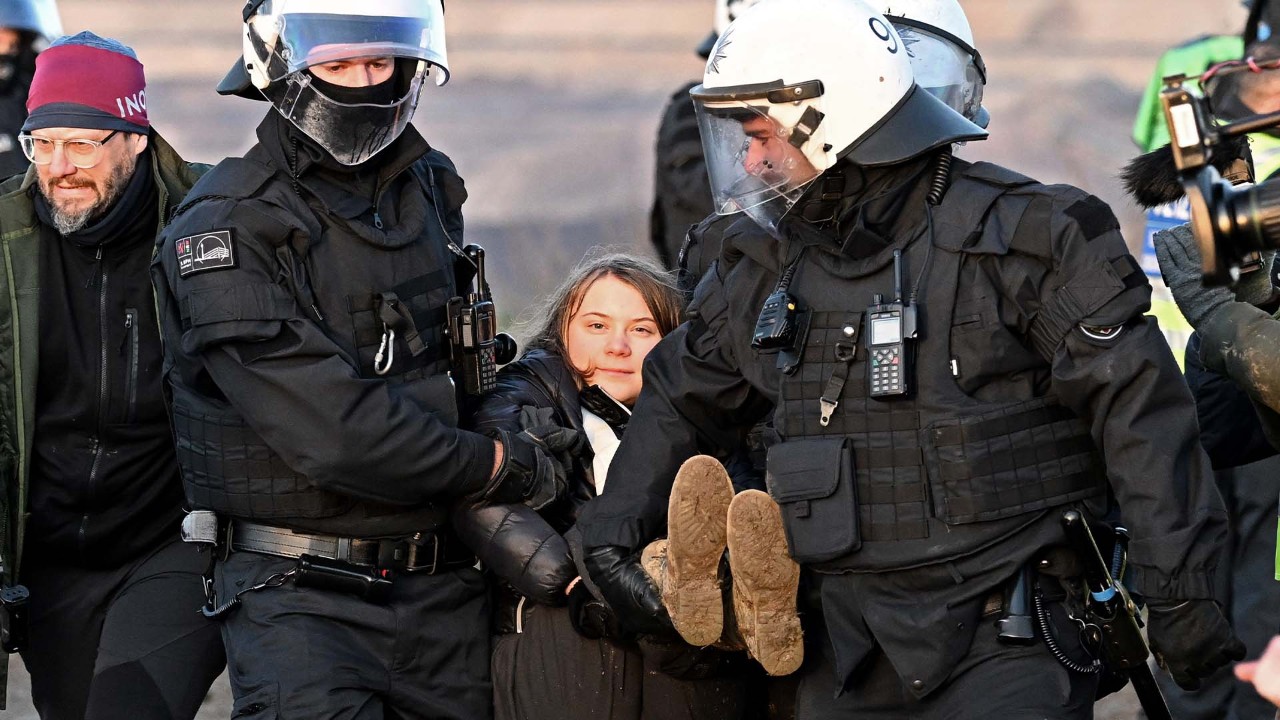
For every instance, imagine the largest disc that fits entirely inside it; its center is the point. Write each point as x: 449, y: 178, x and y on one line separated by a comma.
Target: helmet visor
x: 755, y: 154
x: 949, y: 72
x: 406, y: 29
x: 352, y: 133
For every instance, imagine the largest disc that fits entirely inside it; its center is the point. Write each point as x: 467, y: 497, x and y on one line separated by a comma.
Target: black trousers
x: 994, y: 680
x: 128, y: 642
x: 550, y: 672
x: 307, y: 653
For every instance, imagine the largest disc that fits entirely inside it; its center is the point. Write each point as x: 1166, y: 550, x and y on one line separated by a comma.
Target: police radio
x: 777, y: 322
x: 891, y: 334
x: 475, y: 345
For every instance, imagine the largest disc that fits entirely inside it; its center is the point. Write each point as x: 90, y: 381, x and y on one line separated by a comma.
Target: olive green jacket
x: 19, y: 336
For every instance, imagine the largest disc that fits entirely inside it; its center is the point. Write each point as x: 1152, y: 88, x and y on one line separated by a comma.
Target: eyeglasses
x: 82, y: 153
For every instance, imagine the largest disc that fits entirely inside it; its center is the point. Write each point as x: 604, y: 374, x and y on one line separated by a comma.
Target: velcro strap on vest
x: 1051, y: 491
x: 1017, y: 457
x: 987, y: 428
x: 872, y: 458
x: 254, y: 301
x: 1080, y: 297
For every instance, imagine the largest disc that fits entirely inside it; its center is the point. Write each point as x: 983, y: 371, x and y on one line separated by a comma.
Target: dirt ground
x: 553, y: 106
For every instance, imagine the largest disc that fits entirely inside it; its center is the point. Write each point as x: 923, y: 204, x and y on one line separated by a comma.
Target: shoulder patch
x: 211, y: 250
x: 1093, y: 216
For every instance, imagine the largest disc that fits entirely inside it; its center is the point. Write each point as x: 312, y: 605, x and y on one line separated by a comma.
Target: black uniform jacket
x: 283, y: 325
x: 704, y: 386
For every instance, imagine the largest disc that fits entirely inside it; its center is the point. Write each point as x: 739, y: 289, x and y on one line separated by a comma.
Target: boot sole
x: 765, y: 582
x: 696, y: 531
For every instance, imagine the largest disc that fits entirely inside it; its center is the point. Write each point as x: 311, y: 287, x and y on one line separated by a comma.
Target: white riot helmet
x: 940, y: 44
x: 283, y: 38
x: 726, y: 12
x: 793, y: 86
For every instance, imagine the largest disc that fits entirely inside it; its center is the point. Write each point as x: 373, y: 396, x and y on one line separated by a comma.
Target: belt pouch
x: 812, y: 481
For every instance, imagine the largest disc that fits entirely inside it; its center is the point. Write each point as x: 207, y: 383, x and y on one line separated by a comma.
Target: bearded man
x: 90, y: 497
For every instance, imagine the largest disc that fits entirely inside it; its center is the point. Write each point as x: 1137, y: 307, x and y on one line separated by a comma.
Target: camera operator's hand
x: 629, y: 590
x: 1256, y: 287
x: 1180, y: 265
x: 1191, y: 639
x: 527, y: 469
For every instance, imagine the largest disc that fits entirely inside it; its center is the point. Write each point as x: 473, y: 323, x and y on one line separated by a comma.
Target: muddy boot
x: 700, y: 498
x: 654, y: 561
x: 765, y: 583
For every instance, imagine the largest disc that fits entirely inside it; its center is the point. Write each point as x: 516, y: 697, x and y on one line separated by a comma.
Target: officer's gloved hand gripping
x: 1191, y: 639
x: 631, y: 594
x: 531, y: 466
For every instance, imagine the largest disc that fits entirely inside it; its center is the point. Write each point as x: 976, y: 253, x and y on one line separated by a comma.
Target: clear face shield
x: 952, y: 73
x: 352, y: 132
x: 755, y: 153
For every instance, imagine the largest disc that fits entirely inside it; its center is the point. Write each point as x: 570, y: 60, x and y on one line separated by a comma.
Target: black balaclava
x: 875, y: 206
x: 384, y: 93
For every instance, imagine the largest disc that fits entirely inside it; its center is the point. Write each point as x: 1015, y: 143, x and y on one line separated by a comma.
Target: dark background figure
x: 92, y: 508
x: 898, y: 495
x: 304, y: 295
x: 26, y: 28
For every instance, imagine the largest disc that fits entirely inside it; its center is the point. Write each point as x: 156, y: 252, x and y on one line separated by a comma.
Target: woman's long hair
x: 549, y: 323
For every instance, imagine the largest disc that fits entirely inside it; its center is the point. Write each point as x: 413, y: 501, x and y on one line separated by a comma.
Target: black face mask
x: 383, y: 93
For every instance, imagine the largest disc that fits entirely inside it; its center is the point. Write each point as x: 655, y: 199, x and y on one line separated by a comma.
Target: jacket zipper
x: 131, y: 361
x: 102, y: 400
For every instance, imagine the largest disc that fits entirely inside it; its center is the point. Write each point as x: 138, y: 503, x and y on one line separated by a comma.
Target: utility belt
x: 1053, y: 590
x: 427, y: 553
x: 364, y: 567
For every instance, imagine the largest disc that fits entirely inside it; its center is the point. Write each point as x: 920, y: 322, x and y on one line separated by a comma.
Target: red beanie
x: 86, y: 81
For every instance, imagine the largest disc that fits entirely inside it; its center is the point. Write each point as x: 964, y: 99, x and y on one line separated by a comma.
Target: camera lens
x: 1255, y: 217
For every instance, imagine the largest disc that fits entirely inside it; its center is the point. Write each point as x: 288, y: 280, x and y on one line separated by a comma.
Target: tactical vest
x: 895, y: 483
x: 354, y: 291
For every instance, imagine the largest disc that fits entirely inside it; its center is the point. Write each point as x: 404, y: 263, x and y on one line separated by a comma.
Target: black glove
x: 1191, y: 639
x: 528, y: 473
x: 565, y: 446
x: 627, y: 588
x: 591, y: 616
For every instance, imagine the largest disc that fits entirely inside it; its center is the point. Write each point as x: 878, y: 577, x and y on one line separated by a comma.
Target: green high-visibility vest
x: 1190, y: 58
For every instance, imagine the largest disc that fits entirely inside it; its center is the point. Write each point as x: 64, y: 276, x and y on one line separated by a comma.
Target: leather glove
x: 1180, y: 266
x: 628, y: 589
x: 589, y: 614
x: 1191, y: 639
x: 528, y: 473
x: 592, y: 617
x: 565, y: 445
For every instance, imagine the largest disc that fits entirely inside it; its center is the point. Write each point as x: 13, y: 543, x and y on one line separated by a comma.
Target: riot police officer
x: 305, y: 291
x: 949, y: 352
x: 683, y: 227
x: 26, y: 28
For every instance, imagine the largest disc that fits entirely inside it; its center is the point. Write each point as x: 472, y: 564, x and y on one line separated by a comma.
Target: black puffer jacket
x: 525, y: 549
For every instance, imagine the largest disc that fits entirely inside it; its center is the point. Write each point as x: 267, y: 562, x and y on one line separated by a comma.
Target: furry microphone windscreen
x: 1152, y: 179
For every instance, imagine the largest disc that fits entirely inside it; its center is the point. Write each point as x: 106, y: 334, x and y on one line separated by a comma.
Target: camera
x: 475, y: 345
x: 1230, y: 224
